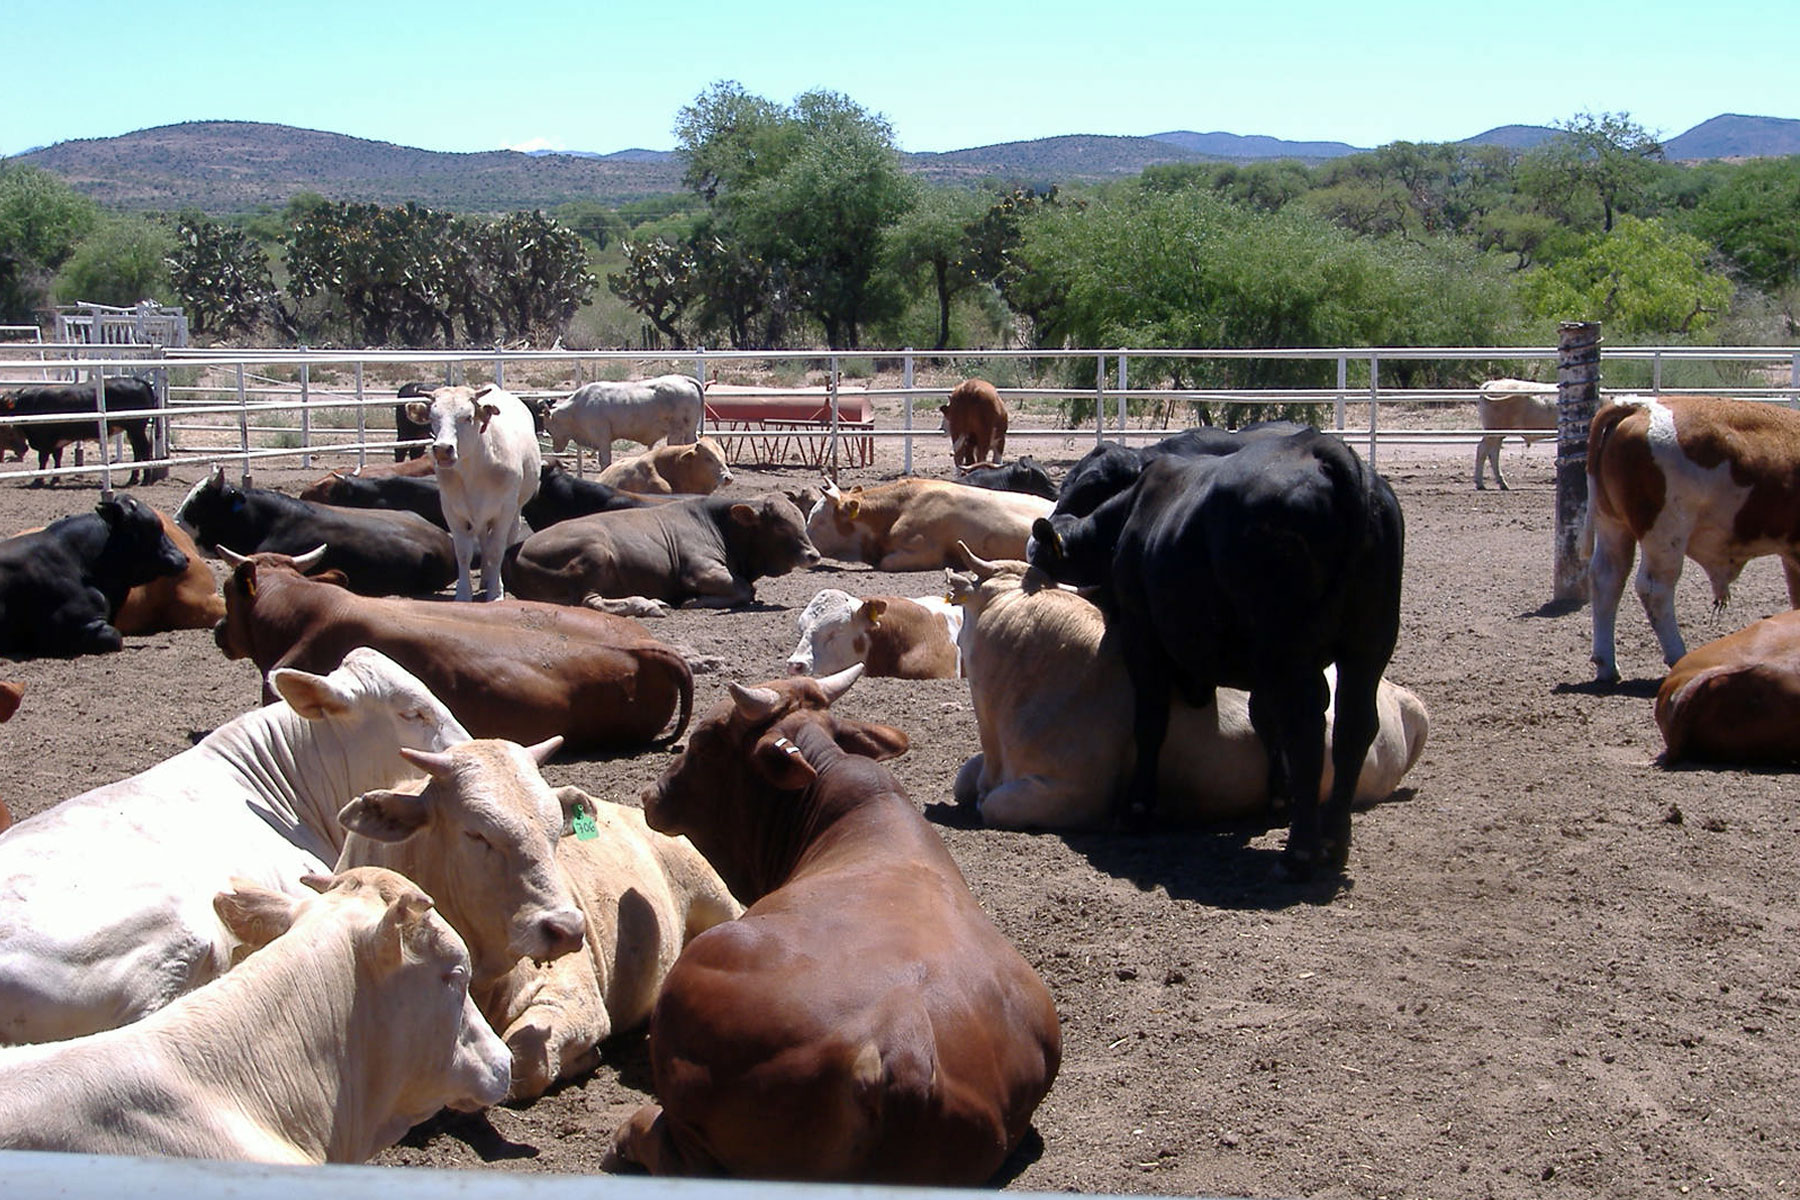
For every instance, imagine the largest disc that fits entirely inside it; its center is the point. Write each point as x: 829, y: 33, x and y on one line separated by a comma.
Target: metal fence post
x: 1577, y: 395
x: 906, y: 381
x: 1123, y: 386
x: 1374, y: 403
x: 362, y: 421
x: 1343, y: 385
x: 106, y: 487
x: 1099, y: 399
x: 306, y: 460
x: 243, y: 426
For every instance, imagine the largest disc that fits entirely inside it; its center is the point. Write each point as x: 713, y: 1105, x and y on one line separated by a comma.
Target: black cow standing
x: 125, y: 394
x: 1251, y: 569
x: 61, y: 585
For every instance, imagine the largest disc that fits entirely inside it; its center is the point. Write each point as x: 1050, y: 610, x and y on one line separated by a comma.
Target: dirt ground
x: 1553, y: 968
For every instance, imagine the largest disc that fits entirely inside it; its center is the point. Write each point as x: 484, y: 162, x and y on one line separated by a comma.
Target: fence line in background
x: 245, y: 389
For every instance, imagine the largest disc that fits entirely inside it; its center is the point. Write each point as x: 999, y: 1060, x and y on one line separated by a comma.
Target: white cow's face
x: 826, y: 637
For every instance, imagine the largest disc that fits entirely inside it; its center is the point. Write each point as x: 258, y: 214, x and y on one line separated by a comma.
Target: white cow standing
x: 642, y: 410
x: 376, y: 1032
x: 485, y: 451
x: 106, y: 899
x: 1512, y: 404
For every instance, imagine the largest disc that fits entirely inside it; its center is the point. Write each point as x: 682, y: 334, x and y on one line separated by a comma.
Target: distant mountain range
x: 225, y: 167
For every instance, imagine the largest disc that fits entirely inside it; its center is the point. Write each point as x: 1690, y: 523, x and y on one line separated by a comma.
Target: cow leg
x: 999, y: 446
x: 1614, y: 549
x: 462, y: 541
x: 646, y: 1142
x: 1287, y: 710
x: 1659, y: 568
x: 626, y: 606
x: 1355, y: 722
x: 1489, y: 452
x: 1147, y: 663
x: 494, y: 541
x: 1790, y: 568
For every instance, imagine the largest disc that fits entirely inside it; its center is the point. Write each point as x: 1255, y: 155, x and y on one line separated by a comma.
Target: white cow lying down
x: 106, y: 909
x: 1053, y: 710
x: 349, y: 1024
x: 642, y: 410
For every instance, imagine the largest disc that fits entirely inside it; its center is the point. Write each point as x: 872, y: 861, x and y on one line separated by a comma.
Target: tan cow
x: 1053, y: 710
x: 914, y: 524
x: 1701, y: 477
x: 349, y: 1024
x: 696, y: 469
x: 975, y: 419
x: 1736, y: 699
x: 863, y: 1020
x: 1512, y: 404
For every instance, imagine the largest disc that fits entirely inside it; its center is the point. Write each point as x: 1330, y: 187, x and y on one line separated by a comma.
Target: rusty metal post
x: 1577, y: 396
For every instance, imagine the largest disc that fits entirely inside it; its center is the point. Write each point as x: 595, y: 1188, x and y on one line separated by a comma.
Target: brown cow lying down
x: 512, y: 669
x: 864, y: 1020
x: 707, y: 552
x: 697, y: 470
x: 914, y: 524
x: 1736, y: 699
x: 1053, y: 709
x: 189, y: 600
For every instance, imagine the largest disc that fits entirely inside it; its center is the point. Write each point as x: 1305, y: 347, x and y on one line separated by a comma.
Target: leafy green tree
x: 934, y: 239
x: 123, y: 260
x: 222, y: 279
x: 1603, y: 158
x: 660, y: 280
x: 1641, y: 280
x: 537, y: 270
x: 42, y: 220
x: 1753, y: 216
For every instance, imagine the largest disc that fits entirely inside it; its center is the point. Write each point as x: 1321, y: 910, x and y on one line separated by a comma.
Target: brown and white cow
x: 350, y: 1023
x: 893, y: 637
x: 1702, y: 477
x: 1053, y: 710
x: 1512, y: 404
x: 695, y: 469
x: 515, y: 669
x: 975, y: 419
x: 1736, y: 699
x: 864, y: 1019
x: 914, y: 524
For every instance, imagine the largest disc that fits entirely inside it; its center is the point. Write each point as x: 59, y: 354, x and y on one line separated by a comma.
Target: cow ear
x: 418, y: 412
x: 243, y: 576
x: 485, y: 413
x: 851, y: 508
x: 385, y: 815
x: 873, y: 610
x: 744, y: 514
x: 869, y: 740
x: 255, y: 915
x: 780, y: 762
x: 574, y: 802
x: 404, y: 912
x: 110, y: 511
x: 314, y: 697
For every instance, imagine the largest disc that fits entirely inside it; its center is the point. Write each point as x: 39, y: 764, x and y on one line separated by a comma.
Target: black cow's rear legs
x: 1135, y: 809
x: 1289, y: 717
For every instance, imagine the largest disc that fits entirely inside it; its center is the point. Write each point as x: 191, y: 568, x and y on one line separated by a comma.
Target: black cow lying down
x: 60, y: 585
x: 1252, y: 568
x: 48, y: 438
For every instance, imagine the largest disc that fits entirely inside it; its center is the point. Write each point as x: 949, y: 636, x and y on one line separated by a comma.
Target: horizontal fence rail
x: 261, y: 405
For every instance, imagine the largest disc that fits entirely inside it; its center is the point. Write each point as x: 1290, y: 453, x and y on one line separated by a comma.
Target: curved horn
x: 982, y: 567
x: 757, y: 704
x: 836, y: 685
x: 232, y: 557
x: 306, y: 562
x: 436, y: 765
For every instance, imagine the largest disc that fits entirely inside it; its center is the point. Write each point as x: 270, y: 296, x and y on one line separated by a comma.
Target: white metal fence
x: 250, y: 406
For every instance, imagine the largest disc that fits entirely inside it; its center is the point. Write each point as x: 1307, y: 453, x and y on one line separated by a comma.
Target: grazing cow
x: 638, y: 895
x: 863, y: 1020
x: 562, y: 496
x: 1511, y: 404
x: 1702, y: 477
x: 891, y: 636
x: 975, y: 419
x: 695, y: 469
x: 487, y: 468
x: 381, y: 553
x: 707, y: 552
x: 646, y: 410
x: 516, y: 669
x: 1053, y: 703
x: 1025, y: 475
x: 189, y: 600
x: 914, y: 524
x: 123, y: 395
x: 349, y: 1024
x: 106, y: 898
x: 60, y: 586
x: 395, y: 493
x: 1254, y: 569
x: 406, y: 429
x: 1736, y: 699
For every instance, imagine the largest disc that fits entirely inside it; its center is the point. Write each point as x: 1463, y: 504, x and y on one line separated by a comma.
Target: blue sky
x: 459, y: 75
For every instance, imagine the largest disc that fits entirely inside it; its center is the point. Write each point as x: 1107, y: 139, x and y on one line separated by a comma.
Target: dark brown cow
x: 863, y: 1020
x: 975, y: 419
x: 1700, y: 477
x: 514, y: 669
x: 1736, y: 699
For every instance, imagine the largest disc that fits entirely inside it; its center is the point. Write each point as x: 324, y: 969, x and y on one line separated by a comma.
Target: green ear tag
x: 585, y: 829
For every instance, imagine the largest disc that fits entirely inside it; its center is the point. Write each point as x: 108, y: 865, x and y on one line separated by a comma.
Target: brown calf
x: 975, y: 419
x: 511, y: 669
x: 1736, y: 699
x: 863, y: 1020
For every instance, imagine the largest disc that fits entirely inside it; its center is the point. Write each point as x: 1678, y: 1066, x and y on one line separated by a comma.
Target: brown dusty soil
x: 1553, y: 968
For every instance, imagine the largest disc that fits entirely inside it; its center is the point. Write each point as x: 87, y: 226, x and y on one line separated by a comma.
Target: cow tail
x: 1600, y: 436
x: 684, y: 679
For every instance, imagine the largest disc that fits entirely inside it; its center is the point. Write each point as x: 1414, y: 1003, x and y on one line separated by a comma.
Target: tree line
x: 798, y: 227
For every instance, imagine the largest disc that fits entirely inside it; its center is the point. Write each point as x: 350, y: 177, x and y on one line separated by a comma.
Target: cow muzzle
x: 559, y: 933
x: 442, y: 455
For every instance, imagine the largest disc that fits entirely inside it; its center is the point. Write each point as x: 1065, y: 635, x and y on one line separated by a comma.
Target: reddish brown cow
x: 189, y: 600
x: 411, y: 468
x: 515, y: 669
x: 1701, y: 477
x: 863, y: 1020
x: 1736, y: 699
x: 975, y: 418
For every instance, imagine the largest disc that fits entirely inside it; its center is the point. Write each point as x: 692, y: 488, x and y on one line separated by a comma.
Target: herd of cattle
x: 1192, y: 631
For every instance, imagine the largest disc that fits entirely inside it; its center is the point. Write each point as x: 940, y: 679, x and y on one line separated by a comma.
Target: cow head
x: 769, y: 536
x: 824, y: 645
x: 235, y: 634
x: 481, y: 836
x: 739, y: 788
x: 137, y: 548
x: 834, y: 527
